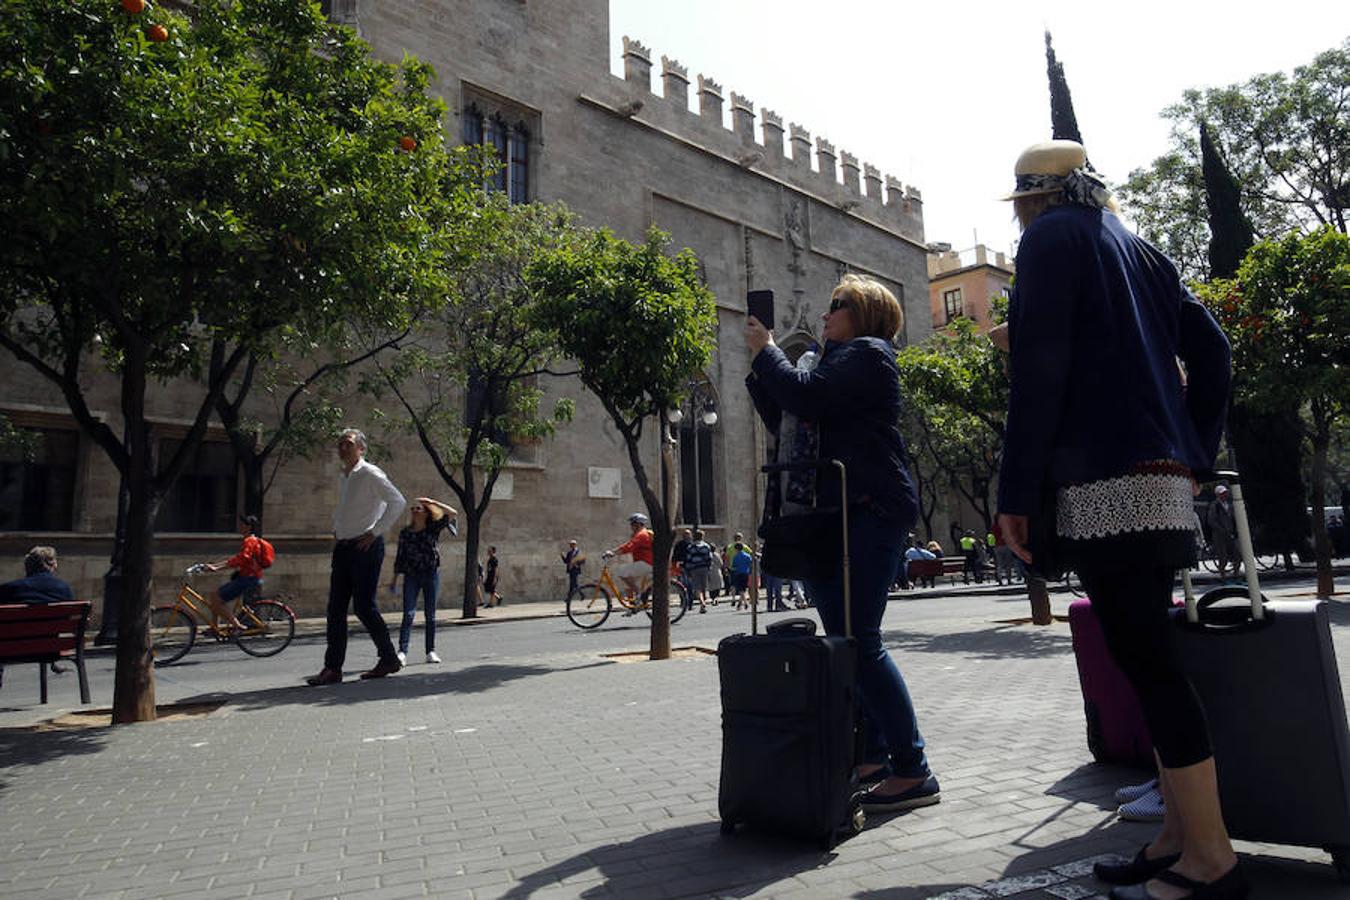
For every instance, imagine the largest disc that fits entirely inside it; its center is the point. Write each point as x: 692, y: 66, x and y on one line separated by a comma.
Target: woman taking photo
x: 1099, y: 423
x: 852, y: 399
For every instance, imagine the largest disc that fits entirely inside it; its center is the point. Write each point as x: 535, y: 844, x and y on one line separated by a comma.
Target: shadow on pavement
x: 26, y: 747
x: 726, y: 865
x: 399, y: 686
x: 997, y: 642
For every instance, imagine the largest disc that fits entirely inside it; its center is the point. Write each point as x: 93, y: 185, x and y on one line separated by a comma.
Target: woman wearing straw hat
x: 419, y: 562
x: 1098, y: 421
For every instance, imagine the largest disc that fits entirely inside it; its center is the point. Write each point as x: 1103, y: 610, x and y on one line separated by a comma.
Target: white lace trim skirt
x: 1127, y: 503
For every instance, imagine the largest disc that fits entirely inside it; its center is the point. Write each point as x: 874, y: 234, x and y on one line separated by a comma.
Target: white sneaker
x: 402, y: 658
x: 1148, y: 808
x: 433, y: 656
x: 1132, y: 792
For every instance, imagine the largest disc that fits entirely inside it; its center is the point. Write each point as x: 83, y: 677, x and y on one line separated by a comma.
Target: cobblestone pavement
x: 553, y: 772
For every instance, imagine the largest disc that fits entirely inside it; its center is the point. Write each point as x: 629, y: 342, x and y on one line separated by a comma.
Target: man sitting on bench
x: 39, y: 585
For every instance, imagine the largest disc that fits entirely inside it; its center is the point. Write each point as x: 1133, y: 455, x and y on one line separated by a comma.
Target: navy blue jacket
x: 1098, y: 319
x: 44, y: 587
x: 853, y: 397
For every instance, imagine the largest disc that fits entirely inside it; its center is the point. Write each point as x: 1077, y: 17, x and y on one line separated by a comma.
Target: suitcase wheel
x: 728, y: 826
x: 1340, y: 859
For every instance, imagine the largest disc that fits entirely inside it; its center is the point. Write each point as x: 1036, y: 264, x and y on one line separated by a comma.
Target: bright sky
x: 945, y: 95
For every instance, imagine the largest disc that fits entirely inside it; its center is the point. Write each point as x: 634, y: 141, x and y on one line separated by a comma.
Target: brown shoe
x: 382, y: 668
x: 327, y: 676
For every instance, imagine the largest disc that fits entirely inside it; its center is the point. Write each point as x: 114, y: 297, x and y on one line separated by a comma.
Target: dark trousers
x: 354, y: 580
x: 1133, y: 605
x: 572, y: 576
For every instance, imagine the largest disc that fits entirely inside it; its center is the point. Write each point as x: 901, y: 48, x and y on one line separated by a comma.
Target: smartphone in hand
x: 760, y: 305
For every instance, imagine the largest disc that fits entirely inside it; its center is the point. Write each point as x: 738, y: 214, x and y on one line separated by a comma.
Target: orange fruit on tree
x: 407, y: 144
x: 157, y: 33
x: 135, y: 7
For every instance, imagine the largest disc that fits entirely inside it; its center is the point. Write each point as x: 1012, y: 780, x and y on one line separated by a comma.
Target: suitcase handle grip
x: 793, y: 626
x: 1228, y: 620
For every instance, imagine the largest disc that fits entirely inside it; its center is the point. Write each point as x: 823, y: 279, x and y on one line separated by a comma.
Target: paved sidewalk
x: 563, y: 774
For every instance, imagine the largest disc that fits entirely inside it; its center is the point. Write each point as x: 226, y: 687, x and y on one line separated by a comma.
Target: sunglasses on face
x: 837, y: 304
x: 418, y: 509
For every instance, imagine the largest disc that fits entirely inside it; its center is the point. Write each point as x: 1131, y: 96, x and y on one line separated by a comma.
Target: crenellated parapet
x: 743, y: 118
x: 675, y: 83
x: 801, y: 146
x: 709, y: 99
x: 759, y: 141
x: 637, y: 63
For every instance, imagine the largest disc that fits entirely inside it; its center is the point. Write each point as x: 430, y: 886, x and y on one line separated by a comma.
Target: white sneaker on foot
x: 1131, y: 792
x: 1148, y: 808
x: 433, y: 656
x: 402, y: 658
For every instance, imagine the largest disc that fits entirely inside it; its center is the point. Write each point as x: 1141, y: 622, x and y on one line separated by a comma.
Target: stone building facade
x: 763, y: 206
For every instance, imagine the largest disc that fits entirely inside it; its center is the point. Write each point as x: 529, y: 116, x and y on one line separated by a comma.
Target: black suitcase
x: 1267, y: 676
x: 790, y: 740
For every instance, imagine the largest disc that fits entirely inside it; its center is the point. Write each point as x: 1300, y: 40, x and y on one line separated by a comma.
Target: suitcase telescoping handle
x: 1244, y: 535
x: 773, y: 468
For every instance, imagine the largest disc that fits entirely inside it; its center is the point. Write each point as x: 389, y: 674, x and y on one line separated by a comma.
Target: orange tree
x: 639, y: 326
x: 1287, y: 314
x: 167, y: 185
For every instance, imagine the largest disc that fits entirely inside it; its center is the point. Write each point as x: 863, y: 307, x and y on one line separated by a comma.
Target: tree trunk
x: 252, y: 466
x: 1326, y: 585
x: 134, y: 682
x: 662, y: 540
x: 1039, y: 595
x: 473, y: 524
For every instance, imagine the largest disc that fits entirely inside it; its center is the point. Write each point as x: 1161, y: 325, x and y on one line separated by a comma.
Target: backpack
x: 267, y: 554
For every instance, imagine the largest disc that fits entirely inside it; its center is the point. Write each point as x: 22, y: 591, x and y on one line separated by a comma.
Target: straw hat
x: 1054, y: 159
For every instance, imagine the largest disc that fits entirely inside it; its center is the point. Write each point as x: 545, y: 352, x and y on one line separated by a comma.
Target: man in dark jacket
x: 39, y: 585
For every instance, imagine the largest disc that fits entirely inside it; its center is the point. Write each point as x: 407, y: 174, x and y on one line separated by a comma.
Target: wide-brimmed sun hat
x: 1042, y: 167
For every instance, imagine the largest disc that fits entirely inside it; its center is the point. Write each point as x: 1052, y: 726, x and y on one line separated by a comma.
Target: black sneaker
x: 925, y: 793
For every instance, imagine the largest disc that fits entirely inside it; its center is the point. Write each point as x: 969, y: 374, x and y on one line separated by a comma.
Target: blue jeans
x: 354, y: 580
x: 427, y: 583
x: 891, y: 730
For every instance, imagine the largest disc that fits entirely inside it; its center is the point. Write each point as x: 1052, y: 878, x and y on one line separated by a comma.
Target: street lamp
x: 703, y: 409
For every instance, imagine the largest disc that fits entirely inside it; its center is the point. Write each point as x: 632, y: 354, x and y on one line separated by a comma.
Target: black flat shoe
x: 1136, y: 871
x: 1231, y: 886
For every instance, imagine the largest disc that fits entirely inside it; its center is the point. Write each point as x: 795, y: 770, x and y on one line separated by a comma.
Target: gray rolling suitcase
x: 1266, y: 674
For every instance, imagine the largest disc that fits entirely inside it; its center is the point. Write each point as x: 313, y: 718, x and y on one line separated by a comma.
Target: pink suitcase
x: 1116, y: 732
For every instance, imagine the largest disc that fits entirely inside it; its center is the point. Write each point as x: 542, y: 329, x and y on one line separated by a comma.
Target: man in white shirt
x: 368, y: 505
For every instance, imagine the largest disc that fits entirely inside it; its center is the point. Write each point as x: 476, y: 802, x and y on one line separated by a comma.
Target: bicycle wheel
x: 679, y: 602
x: 1208, y: 561
x: 269, y: 627
x: 588, y: 606
x: 172, y: 633
x: 1074, y: 585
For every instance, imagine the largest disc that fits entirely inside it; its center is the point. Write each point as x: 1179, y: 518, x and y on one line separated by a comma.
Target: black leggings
x: 1133, y: 605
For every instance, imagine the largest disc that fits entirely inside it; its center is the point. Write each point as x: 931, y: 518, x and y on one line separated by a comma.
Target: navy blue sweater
x: 853, y: 397
x: 1098, y: 320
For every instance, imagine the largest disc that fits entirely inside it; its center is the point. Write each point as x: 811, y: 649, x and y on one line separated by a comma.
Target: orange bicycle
x: 590, y: 604
x: 266, y: 627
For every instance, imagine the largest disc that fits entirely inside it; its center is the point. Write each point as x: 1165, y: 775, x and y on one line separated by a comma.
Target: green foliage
x: 639, y: 323
x: 236, y: 185
x: 1286, y: 139
x: 16, y: 442
x: 1288, y: 314
x: 467, y: 380
x: 957, y: 396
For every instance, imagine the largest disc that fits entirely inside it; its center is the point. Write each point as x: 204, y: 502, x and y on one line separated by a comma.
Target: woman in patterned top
x: 419, y: 562
x: 1100, y: 420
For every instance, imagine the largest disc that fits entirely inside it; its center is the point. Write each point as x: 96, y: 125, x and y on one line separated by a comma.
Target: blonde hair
x: 1028, y: 207
x: 875, y: 311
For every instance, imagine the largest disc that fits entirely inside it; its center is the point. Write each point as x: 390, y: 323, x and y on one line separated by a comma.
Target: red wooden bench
x: 931, y: 569
x: 44, y: 633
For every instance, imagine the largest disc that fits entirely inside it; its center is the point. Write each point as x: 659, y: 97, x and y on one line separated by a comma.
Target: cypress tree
x: 1063, y: 123
x: 1268, y: 445
x: 1230, y: 231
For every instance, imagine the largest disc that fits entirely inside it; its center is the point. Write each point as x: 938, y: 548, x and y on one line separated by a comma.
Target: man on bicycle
x: 639, y: 545
x: 249, y: 563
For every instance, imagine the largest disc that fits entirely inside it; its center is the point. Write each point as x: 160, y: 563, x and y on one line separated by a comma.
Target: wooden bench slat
x: 15, y: 630
x: 35, y: 646
x: 43, y: 633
